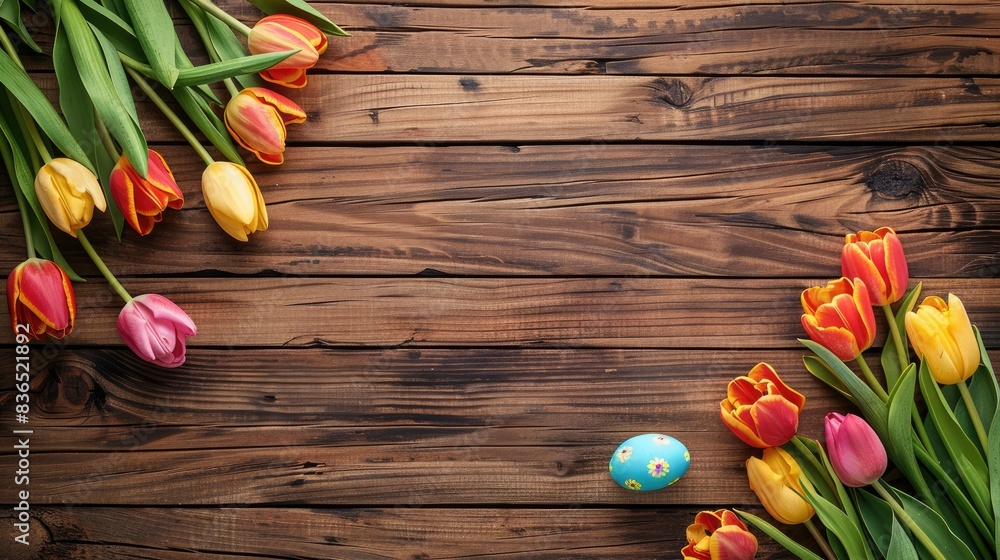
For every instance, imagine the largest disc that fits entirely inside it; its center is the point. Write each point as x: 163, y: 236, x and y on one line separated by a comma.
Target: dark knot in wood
x: 68, y: 388
x: 895, y: 179
x: 673, y: 92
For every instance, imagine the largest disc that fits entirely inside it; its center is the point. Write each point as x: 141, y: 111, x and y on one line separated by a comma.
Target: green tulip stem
x: 908, y: 521
x: 897, y: 339
x: 824, y: 546
x: 115, y: 284
x: 222, y: 15
x: 233, y: 90
x: 109, y: 145
x: 804, y: 450
x: 171, y: 116
x: 870, y: 378
x: 22, y: 206
x: 977, y: 422
x: 29, y: 123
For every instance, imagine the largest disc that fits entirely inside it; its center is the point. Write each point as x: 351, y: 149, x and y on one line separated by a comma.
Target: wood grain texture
x: 733, y: 211
x: 574, y: 312
x: 391, y: 427
x: 360, y: 534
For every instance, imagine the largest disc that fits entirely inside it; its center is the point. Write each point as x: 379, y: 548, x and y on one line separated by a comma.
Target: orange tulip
x: 760, y: 409
x: 256, y: 118
x: 876, y: 257
x: 143, y: 200
x: 719, y: 535
x: 839, y: 316
x: 40, y: 295
x: 280, y: 33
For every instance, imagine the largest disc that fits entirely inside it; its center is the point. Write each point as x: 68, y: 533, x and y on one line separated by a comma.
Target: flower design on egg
x: 661, y: 440
x: 658, y: 467
x: 624, y: 453
x: 687, y: 456
x: 633, y: 484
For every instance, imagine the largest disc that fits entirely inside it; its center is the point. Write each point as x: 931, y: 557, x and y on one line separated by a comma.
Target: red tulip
x: 719, y: 535
x: 156, y: 329
x: 876, y: 257
x: 143, y: 200
x: 760, y: 409
x: 280, y: 33
x: 856, y: 453
x: 840, y: 317
x: 256, y: 118
x: 40, y: 295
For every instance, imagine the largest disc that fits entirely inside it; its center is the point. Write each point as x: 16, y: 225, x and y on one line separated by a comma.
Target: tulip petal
x: 776, y: 419
x: 741, y: 429
x: 288, y: 110
x: 733, y: 543
x: 764, y: 372
x: 288, y: 77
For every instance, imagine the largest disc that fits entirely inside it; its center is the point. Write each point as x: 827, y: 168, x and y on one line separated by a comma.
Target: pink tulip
x: 857, y: 454
x: 156, y: 329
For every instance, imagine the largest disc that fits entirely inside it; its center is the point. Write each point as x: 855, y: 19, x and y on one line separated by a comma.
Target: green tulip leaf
x: 203, y: 90
x: 219, y: 39
x: 780, y: 537
x: 35, y: 102
x: 846, y: 529
x: 933, y: 526
x: 877, y: 517
x: 207, y: 122
x: 300, y: 8
x: 871, y: 405
x: 820, y: 371
x: 155, y: 30
x: 215, y: 71
x: 10, y: 11
x: 900, y: 546
x: 114, y: 28
x: 890, y: 358
x: 993, y: 455
x: 900, y: 440
x: 966, y: 513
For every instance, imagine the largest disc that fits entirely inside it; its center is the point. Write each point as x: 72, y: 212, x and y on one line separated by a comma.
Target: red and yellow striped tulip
x: 942, y: 334
x: 760, y: 409
x: 876, y: 257
x: 143, y: 200
x: 280, y: 33
x: 839, y: 316
x: 40, y: 295
x: 719, y: 535
x: 256, y: 118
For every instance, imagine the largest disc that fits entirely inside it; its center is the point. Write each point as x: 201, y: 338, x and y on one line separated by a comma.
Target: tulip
x: 775, y: 480
x: 942, y: 334
x: 233, y: 198
x: 839, y: 316
x: 256, y: 118
x: 280, y: 33
x: 68, y: 193
x: 876, y: 257
x: 760, y: 409
x: 857, y: 455
x: 156, y: 329
x: 143, y: 200
x: 719, y: 535
x: 40, y: 295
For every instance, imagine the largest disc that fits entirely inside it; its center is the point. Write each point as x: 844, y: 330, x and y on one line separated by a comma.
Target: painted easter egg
x: 649, y: 462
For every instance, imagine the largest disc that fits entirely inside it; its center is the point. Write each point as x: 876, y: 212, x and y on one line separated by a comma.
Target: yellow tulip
x: 68, y: 193
x: 942, y: 334
x: 233, y: 198
x: 775, y: 480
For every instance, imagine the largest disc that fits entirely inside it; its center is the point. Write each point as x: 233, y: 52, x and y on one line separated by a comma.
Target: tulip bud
x: 156, y: 329
x: 839, y: 316
x: 256, y: 118
x: 719, y: 535
x: 40, y: 295
x: 942, y: 334
x: 760, y: 409
x: 233, y: 198
x: 280, y: 33
x: 876, y: 257
x: 142, y: 200
x: 775, y: 480
x: 68, y: 193
x: 856, y: 453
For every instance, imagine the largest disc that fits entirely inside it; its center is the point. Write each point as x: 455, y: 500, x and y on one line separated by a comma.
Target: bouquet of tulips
x: 94, y: 154
x: 906, y: 477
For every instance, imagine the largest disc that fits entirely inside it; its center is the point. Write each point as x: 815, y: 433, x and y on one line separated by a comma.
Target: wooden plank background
x: 511, y: 234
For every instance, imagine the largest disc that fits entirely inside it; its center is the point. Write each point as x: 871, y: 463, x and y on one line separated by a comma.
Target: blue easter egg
x: 649, y: 462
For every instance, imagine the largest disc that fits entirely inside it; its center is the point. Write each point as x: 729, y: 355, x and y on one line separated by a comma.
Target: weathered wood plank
x: 505, y: 109
x: 360, y: 534
x: 588, y: 312
x: 444, y: 426
x: 659, y: 210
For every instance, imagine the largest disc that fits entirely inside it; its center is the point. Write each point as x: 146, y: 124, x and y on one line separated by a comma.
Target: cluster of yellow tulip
x: 944, y: 455
x: 98, y: 46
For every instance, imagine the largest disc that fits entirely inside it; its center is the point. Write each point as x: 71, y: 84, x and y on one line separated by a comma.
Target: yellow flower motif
x: 633, y: 484
x: 624, y: 454
x: 658, y: 467
x: 611, y: 468
x: 687, y: 456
